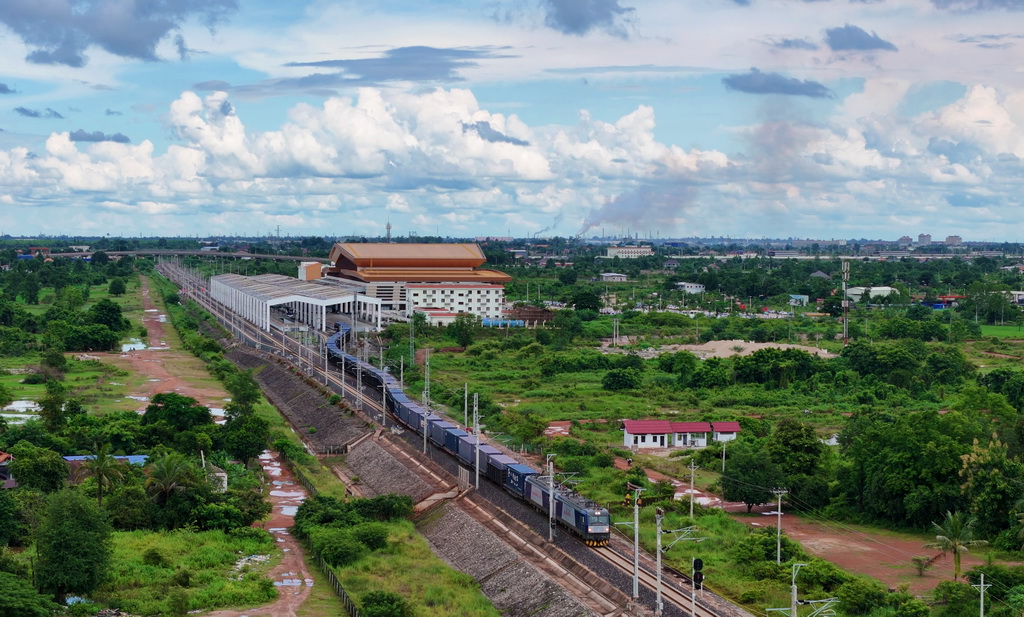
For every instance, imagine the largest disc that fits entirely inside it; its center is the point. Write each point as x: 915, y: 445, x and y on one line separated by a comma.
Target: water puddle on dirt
x: 133, y: 344
x: 22, y: 406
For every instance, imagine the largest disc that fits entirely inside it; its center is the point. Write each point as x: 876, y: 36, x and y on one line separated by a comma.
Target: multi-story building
x: 402, y: 276
x: 924, y: 238
x: 482, y: 300
x: 628, y: 252
x: 954, y: 240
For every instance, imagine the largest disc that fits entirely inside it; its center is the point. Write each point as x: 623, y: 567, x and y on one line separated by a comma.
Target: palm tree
x: 105, y: 469
x: 169, y: 473
x: 955, y: 535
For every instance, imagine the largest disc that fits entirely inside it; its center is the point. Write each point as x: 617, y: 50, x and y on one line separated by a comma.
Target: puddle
x: 288, y: 494
x: 289, y: 511
x: 133, y: 344
x: 141, y: 399
x: 22, y: 406
x: 18, y: 418
x: 289, y: 582
x: 154, y: 380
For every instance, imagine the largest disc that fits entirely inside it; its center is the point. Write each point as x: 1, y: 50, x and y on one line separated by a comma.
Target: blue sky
x: 826, y: 119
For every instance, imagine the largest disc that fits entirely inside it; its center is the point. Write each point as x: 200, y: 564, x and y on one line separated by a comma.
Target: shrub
x: 337, y: 546
x: 153, y: 557
x: 373, y: 535
x: 383, y: 604
x: 859, y: 596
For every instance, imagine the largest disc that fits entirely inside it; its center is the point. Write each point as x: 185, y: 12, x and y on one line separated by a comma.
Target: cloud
x: 487, y: 132
x: 756, y: 82
x: 580, y: 17
x: 979, y: 5
x: 113, y: 112
x: 647, y: 207
x: 852, y: 38
x: 35, y: 113
x: 970, y: 200
x: 416, y: 64
x: 795, y: 44
x: 5, y: 89
x: 61, y: 31
x: 81, y: 135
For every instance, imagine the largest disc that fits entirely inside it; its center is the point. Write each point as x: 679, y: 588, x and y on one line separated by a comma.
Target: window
x: 635, y: 438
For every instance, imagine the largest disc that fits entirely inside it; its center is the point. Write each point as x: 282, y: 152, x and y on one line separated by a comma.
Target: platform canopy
x: 253, y: 297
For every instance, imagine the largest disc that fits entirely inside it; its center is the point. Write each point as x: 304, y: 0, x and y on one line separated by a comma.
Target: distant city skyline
x: 834, y: 118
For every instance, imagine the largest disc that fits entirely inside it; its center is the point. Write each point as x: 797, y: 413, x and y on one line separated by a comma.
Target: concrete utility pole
x: 636, y: 543
x: 476, y: 421
x: 693, y: 471
x: 465, y: 405
x: 981, y: 587
x: 401, y: 372
x: 779, y: 492
x: 551, y: 498
x: 659, y: 516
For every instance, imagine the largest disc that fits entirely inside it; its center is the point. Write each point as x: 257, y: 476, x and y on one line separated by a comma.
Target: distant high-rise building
x: 904, y: 241
x: 924, y: 238
x: 954, y: 240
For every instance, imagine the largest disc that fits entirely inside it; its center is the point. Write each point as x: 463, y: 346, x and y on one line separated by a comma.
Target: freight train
x: 580, y: 516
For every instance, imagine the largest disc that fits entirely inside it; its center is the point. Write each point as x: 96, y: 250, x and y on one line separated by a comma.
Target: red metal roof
x: 691, y: 427
x: 648, y: 427
x: 726, y: 427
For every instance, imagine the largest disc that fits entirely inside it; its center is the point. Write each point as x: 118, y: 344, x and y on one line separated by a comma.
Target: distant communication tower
x: 388, y: 227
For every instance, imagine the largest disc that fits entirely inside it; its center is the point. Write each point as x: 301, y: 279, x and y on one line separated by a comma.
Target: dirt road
x: 161, y: 365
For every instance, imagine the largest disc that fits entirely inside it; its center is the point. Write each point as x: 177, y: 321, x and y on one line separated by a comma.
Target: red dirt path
x: 878, y: 555
x: 291, y: 576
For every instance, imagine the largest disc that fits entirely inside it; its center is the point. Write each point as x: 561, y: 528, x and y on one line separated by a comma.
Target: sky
x: 660, y: 118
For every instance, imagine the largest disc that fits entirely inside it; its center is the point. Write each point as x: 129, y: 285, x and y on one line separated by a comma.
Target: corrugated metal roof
x: 424, y: 275
x: 381, y: 254
x: 726, y: 427
x: 691, y: 427
x: 648, y: 427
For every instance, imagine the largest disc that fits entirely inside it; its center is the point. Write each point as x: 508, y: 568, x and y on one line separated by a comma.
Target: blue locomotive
x: 582, y: 517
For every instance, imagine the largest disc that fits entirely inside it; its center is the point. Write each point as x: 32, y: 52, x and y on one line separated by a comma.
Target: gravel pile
x: 380, y: 473
x: 515, y: 587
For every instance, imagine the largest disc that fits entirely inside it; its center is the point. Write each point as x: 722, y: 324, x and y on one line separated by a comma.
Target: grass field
x: 153, y: 569
x: 1014, y: 332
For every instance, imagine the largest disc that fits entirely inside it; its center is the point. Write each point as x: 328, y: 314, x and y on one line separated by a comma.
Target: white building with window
x: 640, y: 434
x: 480, y: 299
x: 690, y: 288
x: 628, y: 252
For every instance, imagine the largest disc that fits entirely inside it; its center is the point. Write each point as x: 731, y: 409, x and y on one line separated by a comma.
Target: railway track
x: 676, y: 587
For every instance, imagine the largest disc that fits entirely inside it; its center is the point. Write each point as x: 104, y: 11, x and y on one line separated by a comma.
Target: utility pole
x: 359, y: 376
x: 465, y: 404
x: 401, y: 372
x: 636, y: 542
x: 426, y: 384
x: 779, y: 492
x: 476, y: 421
x: 981, y: 587
x: 723, y: 457
x: 551, y: 498
x: 693, y: 471
x: 659, y: 516
x: 846, y: 306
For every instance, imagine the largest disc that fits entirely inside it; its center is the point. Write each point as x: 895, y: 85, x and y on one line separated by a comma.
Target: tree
x: 108, y: 313
x: 246, y: 437
x: 245, y: 393
x: 19, y: 598
x: 568, y: 277
x: 180, y: 412
x: 100, y: 258
x: 622, y: 379
x: 462, y: 330
x: 8, y: 518
x: 750, y: 475
x: 955, y: 535
x: 38, y: 468
x: 73, y: 544
x: 105, y: 469
x: 169, y: 474
x: 585, y: 299
x: 117, y: 287
x: 381, y: 603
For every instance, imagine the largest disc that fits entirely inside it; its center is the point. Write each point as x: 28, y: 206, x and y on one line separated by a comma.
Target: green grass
x: 199, y: 565
x: 409, y: 568
x: 1013, y: 332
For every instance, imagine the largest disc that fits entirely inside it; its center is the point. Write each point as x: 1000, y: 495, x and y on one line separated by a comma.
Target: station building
x: 405, y: 277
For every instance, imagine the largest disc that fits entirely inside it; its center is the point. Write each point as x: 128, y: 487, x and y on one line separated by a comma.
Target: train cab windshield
x: 599, y: 519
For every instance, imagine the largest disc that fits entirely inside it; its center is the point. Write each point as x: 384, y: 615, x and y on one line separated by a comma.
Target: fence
x: 350, y: 606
